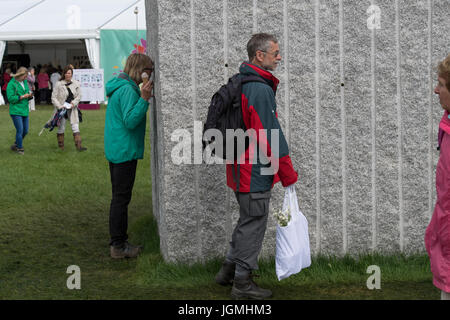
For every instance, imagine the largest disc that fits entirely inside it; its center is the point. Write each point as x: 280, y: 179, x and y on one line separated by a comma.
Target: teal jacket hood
x: 125, y: 120
x: 118, y: 82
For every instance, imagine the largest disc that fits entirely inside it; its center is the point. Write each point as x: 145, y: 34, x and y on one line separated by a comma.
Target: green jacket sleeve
x: 12, y: 93
x: 133, y: 107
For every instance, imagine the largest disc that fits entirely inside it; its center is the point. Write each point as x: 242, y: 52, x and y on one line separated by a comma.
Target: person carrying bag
x: 292, y: 240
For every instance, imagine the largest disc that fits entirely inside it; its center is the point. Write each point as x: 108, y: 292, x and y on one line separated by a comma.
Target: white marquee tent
x: 34, y: 21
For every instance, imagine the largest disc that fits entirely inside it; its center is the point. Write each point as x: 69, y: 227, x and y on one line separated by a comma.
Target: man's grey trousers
x: 248, y: 235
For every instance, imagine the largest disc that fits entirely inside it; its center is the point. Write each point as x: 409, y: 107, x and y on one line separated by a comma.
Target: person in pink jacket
x: 6, y: 78
x: 42, y: 80
x: 437, y: 235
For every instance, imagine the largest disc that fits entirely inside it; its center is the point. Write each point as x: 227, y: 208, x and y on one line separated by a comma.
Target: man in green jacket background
x: 124, y: 144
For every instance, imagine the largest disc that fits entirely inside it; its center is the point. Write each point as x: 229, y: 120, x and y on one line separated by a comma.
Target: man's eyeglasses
x: 276, y: 53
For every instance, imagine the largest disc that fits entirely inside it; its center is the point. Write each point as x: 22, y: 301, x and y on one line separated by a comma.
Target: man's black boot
x: 246, y: 288
x: 225, y: 275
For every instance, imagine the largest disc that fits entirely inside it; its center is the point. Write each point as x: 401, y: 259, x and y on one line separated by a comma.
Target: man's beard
x: 270, y: 67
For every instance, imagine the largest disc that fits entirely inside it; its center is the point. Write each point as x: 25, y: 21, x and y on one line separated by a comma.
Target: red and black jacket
x: 259, y: 112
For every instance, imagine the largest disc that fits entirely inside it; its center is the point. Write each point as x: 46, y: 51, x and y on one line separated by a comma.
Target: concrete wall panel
x: 355, y: 102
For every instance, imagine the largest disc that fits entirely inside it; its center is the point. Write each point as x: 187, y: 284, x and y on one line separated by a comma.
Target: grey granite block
x: 359, y: 127
x: 414, y: 74
x: 356, y: 106
x: 387, y: 129
x: 331, y: 236
x: 210, y: 52
x: 303, y: 108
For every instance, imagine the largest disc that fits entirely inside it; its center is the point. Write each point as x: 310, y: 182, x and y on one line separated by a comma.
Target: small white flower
x: 283, y: 217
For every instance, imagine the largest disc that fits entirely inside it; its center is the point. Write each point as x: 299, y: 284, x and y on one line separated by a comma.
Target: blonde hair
x: 135, y: 64
x: 20, y: 72
x: 444, y: 71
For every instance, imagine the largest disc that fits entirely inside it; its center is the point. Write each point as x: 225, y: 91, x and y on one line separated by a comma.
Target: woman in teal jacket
x: 124, y: 144
x: 18, y: 94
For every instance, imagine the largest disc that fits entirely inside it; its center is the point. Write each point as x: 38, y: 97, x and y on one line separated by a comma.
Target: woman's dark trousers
x: 122, y: 181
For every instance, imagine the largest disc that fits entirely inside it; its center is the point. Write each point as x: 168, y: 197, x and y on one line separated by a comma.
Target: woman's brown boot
x: 60, y: 137
x: 77, y: 139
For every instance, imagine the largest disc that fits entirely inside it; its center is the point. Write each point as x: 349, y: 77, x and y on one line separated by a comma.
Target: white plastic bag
x: 292, y: 246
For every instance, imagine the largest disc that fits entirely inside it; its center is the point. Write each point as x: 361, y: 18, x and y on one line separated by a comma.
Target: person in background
x: 18, y: 94
x: 124, y: 144
x: 437, y: 234
x: 54, y: 78
x: 31, y: 79
x: 67, y: 94
x: 6, y: 78
x: 42, y: 80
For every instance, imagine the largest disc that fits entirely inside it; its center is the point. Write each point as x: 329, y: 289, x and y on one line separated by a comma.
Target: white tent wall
x: 54, y: 22
x: 2, y: 50
x: 65, y: 19
x: 49, y: 52
x: 93, y: 51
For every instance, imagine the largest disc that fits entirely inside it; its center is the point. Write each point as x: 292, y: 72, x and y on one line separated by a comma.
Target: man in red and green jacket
x: 248, y: 176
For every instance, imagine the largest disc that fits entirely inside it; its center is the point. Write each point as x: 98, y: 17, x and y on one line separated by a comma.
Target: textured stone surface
x: 387, y: 129
x: 303, y: 107
x: 413, y: 40
x: 356, y: 106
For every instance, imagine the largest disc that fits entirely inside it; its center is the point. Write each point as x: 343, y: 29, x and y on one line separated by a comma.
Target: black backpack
x: 225, y: 112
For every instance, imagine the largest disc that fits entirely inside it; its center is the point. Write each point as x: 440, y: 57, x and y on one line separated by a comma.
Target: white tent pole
x: 119, y: 14
x: 136, y: 12
x: 2, y: 51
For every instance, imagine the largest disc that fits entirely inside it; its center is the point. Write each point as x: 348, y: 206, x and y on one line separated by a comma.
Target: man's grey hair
x: 259, y: 41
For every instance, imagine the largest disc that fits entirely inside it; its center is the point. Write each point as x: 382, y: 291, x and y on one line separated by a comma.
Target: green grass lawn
x: 54, y: 208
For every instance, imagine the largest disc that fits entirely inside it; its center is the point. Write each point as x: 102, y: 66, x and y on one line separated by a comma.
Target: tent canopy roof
x: 67, y: 19
x: 11, y: 8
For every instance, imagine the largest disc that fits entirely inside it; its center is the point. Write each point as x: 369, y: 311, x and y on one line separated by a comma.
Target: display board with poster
x: 91, y: 82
